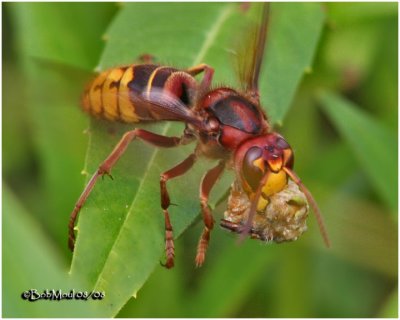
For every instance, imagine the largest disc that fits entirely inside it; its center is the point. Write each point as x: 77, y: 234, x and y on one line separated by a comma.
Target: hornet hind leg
x: 205, y: 83
x: 208, y: 181
x: 111, y: 160
x: 176, y: 171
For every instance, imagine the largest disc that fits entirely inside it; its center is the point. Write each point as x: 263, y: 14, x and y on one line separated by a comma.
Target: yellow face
x: 275, y: 183
x: 264, y: 160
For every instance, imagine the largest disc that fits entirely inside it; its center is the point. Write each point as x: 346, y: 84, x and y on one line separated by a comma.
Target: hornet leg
x: 176, y: 171
x: 208, y: 181
x: 108, y: 164
x: 207, y: 78
x: 146, y: 58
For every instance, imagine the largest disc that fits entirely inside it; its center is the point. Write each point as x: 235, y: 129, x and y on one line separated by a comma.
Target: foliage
x: 342, y: 124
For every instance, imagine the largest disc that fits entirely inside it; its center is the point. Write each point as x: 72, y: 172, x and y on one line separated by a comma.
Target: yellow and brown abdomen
x: 110, y: 94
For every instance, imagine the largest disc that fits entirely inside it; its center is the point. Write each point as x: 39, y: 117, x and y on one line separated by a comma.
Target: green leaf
x: 122, y: 219
x: 62, y: 32
x: 294, y: 34
x: 227, y: 283
x: 391, y: 306
x: 31, y: 261
x: 372, y: 143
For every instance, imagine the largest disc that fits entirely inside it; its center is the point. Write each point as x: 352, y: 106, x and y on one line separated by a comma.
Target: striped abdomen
x: 115, y: 93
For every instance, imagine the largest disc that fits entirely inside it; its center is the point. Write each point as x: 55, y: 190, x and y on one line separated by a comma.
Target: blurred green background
x: 342, y: 124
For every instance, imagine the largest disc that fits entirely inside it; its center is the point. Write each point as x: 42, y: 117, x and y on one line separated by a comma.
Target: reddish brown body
x: 228, y: 125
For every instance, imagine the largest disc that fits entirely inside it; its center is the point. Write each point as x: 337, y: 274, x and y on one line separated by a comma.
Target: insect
x: 228, y: 125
